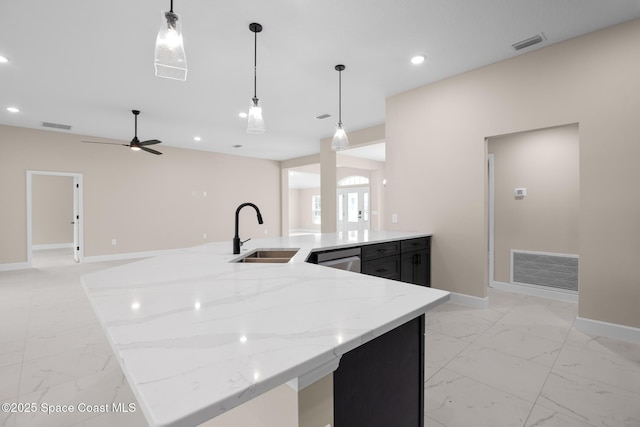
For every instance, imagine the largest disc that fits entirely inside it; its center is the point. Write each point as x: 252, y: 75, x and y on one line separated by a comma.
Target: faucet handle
x: 242, y: 242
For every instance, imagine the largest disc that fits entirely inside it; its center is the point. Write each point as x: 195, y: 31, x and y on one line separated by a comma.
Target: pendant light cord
x: 340, y: 97
x: 171, y: 7
x: 255, y: 65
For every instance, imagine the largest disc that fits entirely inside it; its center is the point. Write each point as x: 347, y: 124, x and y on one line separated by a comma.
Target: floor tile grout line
x: 553, y: 365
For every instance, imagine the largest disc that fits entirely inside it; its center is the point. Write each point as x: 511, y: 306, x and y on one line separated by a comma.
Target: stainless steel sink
x: 277, y: 255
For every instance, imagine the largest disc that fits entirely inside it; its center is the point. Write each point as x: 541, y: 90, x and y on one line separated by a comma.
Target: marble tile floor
x: 518, y: 363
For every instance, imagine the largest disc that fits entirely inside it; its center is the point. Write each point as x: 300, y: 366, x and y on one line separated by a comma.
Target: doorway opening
x: 304, y: 204
x: 55, y: 216
x: 533, y: 209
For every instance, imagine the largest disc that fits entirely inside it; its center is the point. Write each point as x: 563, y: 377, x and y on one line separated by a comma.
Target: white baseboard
x: 130, y: 255
x: 15, y: 266
x: 605, y: 329
x: 538, y: 291
x: 469, y: 300
x: 52, y: 246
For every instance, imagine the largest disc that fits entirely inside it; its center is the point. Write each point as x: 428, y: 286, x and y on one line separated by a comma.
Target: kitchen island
x: 198, y: 334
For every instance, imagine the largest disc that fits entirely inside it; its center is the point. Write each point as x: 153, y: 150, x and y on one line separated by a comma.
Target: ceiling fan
x: 135, y: 144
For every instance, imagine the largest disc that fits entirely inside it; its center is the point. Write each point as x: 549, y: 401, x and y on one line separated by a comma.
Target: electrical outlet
x: 114, y: 242
x: 394, y: 218
x: 204, y: 194
x: 204, y: 235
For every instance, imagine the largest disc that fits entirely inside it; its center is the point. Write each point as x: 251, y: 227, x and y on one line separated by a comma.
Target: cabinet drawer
x: 380, y: 250
x: 415, y: 244
x: 387, y: 267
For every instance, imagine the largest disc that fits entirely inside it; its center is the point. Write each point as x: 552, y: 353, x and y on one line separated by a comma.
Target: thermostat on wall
x: 520, y: 192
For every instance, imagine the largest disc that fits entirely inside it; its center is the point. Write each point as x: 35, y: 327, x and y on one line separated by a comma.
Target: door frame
x: 78, y: 212
x: 342, y: 192
x: 491, y: 233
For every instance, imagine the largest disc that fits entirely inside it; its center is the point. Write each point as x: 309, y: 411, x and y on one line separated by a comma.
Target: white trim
x: 77, y: 179
x: 538, y: 291
x: 491, y: 165
x: 469, y: 300
x: 606, y: 329
x: 52, y: 246
x: 131, y: 255
x: 15, y: 266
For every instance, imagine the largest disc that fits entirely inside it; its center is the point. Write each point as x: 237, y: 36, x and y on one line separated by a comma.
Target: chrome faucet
x: 236, y: 239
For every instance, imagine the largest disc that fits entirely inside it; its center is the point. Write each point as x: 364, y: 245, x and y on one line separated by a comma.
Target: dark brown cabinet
x: 381, y: 383
x: 405, y: 260
x: 382, y: 260
x: 415, y: 264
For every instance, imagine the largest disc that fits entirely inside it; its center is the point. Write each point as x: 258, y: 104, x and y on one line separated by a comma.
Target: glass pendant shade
x: 340, y: 140
x: 169, y: 59
x: 255, y: 122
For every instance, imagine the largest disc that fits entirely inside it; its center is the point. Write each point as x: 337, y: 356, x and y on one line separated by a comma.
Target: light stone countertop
x: 197, y: 335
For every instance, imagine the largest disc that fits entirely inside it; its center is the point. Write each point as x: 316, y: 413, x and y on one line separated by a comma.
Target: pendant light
x: 255, y: 122
x: 169, y: 59
x: 340, y: 140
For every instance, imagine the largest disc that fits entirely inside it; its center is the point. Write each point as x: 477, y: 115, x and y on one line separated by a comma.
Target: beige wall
x: 52, y: 209
x: 300, y: 215
x: 436, y: 161
x: 146, y: 202
x: 546, y: 163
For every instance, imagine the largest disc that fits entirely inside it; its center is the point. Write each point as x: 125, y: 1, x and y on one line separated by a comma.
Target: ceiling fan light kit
x: 255, y: 122
x: 170, y: 60
x: 340, y: 140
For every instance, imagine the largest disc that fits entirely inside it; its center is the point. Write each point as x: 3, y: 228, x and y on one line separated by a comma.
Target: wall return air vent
x: 56, y: 126
x: 523, y: 44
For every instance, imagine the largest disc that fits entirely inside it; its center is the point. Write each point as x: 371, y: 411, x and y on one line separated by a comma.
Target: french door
x: 353, y: 209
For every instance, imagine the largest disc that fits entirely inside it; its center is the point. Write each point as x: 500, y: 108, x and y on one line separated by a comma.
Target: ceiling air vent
x: 323, y: 116
x: 523, y: 44
x: 56, y: 126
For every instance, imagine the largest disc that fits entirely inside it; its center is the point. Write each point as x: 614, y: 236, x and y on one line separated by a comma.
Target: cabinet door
x: 415, y: 267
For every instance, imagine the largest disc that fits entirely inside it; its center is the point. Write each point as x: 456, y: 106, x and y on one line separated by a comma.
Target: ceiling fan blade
x: 150, y: 150
x: 150, y: 142
x: 106, y: 143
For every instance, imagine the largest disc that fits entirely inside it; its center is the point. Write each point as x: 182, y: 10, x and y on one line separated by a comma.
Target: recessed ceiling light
x: 13, y: 109
x: 197, y: 138
x: 418, y: 59
x: 3, y: 59
x: 242, y: 115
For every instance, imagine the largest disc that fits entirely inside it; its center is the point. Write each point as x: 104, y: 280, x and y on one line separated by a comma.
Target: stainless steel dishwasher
x: 343, y: 259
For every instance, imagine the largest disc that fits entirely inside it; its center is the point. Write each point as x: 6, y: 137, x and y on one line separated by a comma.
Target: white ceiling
x: 88, y: 63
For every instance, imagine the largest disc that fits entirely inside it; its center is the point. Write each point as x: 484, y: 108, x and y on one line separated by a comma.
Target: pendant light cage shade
x: 170, y: 60
x: 340, y: 140
x: 255, y: 122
